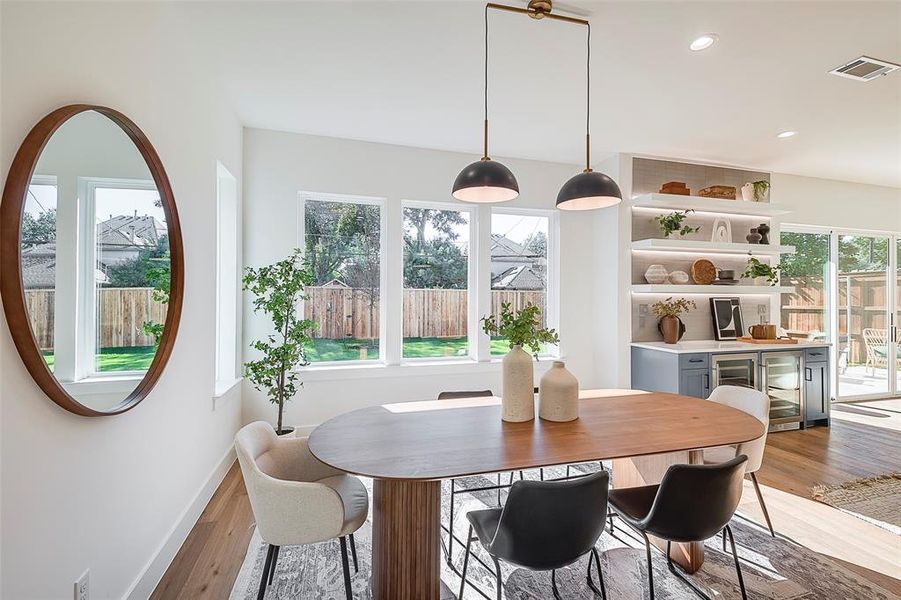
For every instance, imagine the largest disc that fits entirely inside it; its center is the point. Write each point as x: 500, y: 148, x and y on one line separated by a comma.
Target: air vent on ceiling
x: 865, y: 68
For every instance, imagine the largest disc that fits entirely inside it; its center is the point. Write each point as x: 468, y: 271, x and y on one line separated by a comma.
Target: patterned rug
x: 876, y: 500
x: 774, y: 569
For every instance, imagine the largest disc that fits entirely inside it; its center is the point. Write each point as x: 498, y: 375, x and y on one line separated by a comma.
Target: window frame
x: 87, y: 319
x: 472, y: 342
x: 303, y: 197
x: 552, y: 290
x: 225, y: 376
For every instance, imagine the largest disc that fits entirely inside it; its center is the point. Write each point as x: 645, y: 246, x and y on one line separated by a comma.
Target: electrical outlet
x: 642, y: 310
x: 83, y: 587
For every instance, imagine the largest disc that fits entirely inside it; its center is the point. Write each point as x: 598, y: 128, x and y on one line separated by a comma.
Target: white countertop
x: 714, y: 346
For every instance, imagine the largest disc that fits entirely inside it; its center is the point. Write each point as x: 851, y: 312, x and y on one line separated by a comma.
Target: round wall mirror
x: 91, y: 271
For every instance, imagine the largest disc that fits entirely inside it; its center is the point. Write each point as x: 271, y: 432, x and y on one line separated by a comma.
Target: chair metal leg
x: 741, y: 581
x: 465, y: 563
x: 724, y: 539
x: 593, y: 555
x: 353, y: 553
x: 766, y: 515
x: 272, y: 566
x: 500, y: 581
x: 265, y: 574
x: 346, y: 568
x: 647, y: 545
x: 554, y: 585
x: 498, y: 489
x: 450, y: 538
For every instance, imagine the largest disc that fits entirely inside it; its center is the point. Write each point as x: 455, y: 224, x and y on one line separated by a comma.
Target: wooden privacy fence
x: 123, y: 312
x: 354, y: 312
x: 861, y: 305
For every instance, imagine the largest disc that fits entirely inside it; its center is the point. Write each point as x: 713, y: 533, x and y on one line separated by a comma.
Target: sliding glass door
x: 848, y: 292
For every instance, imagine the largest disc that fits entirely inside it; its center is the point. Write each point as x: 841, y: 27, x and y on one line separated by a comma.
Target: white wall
x: 833, y: 203
x: 115, y: 495
x: 278, y: 165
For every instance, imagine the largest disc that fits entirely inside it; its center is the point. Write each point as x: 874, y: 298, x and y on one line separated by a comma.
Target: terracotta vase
x: 558, y: 394
x: 518, y: 396
x: 669, y: 326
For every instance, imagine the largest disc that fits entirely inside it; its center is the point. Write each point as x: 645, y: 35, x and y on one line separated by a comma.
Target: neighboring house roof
x: 502, y: 246
x: 522, y: 277
x: 334, y: 283
x: 128, y: 231
x: 39, y: 267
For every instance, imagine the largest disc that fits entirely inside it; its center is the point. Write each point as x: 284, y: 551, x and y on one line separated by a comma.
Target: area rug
x: 774, y: 569
x: 874, y: 499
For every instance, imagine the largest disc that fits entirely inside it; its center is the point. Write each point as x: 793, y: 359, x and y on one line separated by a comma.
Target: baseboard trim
x: 150, y: 576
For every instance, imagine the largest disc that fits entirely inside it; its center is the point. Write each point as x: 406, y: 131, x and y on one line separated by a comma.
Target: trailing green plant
x: 672, y: 308
x: 520, y: 328
x: 760, y: 189
x: 673, y: 223
x: 277, y: 289
x: 756, y: 268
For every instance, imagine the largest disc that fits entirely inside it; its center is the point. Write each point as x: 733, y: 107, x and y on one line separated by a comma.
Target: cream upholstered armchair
x: 295, y: 498
x: 756, y: 404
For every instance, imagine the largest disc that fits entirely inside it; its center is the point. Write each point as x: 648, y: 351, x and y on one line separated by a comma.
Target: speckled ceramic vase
x: 558, y: 394
x: 518, y: 396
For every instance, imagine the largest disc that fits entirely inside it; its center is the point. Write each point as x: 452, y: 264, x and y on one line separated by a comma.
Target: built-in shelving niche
x: 678, y: 253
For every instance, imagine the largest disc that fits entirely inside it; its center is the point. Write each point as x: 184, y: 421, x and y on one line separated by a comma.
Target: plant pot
x: 558, y: 394
x: 518, y: 395
x: 672, y: 329
x: 284, y: 431
x: 747, y: 192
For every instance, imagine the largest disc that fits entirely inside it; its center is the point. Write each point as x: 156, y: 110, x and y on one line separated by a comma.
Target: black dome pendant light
x: 485, y: 181
x: 589, y: 189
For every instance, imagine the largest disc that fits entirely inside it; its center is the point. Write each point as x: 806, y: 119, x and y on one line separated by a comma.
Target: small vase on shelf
x: 764, y: 230
x: 558, y: 394
x: 518, y: 396
x: 754, y: 236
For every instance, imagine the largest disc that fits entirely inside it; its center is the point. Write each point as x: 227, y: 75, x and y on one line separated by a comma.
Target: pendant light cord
x: 588, y: 102
x: 485, y: 152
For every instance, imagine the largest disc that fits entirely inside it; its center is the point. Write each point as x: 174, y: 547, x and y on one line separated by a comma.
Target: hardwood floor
x: 864, y: 440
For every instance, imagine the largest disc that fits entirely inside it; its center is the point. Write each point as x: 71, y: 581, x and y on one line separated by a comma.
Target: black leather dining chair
x: 544, y: 526
x: 691, y: 504
x: 454, y: 488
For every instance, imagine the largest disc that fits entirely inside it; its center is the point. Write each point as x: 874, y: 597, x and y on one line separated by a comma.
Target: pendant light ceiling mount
x: 488, y: 181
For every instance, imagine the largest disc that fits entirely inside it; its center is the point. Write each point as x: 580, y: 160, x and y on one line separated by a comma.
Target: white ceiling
x: 411, y: 73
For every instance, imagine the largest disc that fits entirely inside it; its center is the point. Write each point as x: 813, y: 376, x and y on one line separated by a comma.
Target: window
x: 129, y: 284
x: 805, y: 313
x: 436, y: 290
x: 520, y: 266
x: 39, y: 262
x: 227, y: 274
x: 341, y: 237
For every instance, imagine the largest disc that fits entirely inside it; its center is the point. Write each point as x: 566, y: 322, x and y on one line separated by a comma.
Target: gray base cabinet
x: 692, y: 374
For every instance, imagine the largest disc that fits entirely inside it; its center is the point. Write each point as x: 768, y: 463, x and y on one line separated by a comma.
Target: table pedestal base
x: 649, y: 470
x: 406, y: 520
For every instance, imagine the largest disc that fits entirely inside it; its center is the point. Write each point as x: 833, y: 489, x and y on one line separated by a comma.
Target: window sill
x: 104, y: 384
x: 417, y: 368
x: 224, y: 386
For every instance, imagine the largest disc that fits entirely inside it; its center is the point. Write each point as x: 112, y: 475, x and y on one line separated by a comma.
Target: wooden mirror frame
x: 12, y: 289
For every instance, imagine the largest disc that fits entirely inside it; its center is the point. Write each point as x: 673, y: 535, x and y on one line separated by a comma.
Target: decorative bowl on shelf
x: 703, y: 272
x: 679, y: 277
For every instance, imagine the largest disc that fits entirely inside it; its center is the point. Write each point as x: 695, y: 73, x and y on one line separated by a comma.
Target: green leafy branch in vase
x: 520, y: 328
x: 277, y: 289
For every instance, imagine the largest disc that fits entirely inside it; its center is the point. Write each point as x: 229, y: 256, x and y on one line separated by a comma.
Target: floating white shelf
x: 705, y: 247
x: 718, y: 290
x: 714, y: 205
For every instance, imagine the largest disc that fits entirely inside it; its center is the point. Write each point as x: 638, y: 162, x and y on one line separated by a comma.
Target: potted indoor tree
x: 521, y: 329
x: 277, y: 288
x: 669, y: 310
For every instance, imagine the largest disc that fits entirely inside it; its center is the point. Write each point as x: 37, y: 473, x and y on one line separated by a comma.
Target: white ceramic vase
x: 518, y: 397
x: 747, y: 192
x: 558, y: 394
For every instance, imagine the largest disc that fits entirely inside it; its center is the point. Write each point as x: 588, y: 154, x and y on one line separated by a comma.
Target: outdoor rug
x: 774, y: 569
x: 877, y: 500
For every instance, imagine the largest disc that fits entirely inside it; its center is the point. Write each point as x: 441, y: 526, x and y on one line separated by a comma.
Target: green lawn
x: 136, y: 358
x: 327, y: 350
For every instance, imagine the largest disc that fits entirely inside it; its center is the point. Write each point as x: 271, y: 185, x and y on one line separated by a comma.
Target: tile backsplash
x: 649, y: 174
x: 698, y: 322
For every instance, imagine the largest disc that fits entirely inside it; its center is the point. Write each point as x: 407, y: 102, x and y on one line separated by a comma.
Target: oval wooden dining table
x: 407, y: 448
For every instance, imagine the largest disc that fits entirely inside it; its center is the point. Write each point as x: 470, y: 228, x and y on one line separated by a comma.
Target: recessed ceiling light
x: 703, y: 42
x: 786, y: 134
